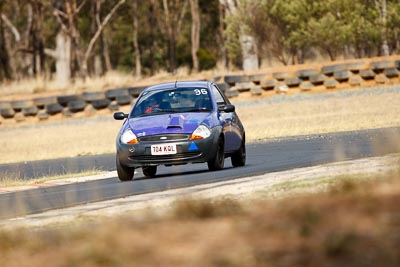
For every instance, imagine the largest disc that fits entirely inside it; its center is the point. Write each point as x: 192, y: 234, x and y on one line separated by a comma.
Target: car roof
x: 170, y: 85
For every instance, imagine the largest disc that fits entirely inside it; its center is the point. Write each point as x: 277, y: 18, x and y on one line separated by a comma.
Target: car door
x: 230, y: 123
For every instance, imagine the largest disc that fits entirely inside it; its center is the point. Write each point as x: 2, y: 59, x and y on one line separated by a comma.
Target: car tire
x: 150, y: 171
x: 217, y: 162
x: 124, y: 173
x: 239, y: 158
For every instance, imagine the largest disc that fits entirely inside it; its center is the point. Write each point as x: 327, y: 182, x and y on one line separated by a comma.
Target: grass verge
x: 358, y: 225
x: 15, y: 180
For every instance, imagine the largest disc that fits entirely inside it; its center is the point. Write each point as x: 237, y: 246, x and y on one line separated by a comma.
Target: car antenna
x: 175, y: 83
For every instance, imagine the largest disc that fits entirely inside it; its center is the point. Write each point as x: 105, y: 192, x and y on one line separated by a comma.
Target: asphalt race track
x: 262, y: 157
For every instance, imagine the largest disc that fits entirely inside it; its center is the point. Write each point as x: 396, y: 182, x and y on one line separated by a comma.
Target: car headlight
x: 128, y: 137
x: 201, y: 132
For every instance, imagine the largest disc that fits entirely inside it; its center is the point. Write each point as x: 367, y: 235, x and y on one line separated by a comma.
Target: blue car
x: 178, y: 123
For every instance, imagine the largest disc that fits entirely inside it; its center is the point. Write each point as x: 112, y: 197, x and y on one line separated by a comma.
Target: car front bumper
x: 187, y: 151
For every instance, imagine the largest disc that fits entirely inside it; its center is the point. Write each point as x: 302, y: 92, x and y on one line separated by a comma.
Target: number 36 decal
x: 200, y: 91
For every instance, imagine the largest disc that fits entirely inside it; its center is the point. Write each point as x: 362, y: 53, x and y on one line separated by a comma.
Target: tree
x: 247, y: 40
x: 5, y: 70
x: 100, y: 28
x: 36, y: 42
x: 171, y: 26
x: 381, y: 5
x: 194, y: 9
x: 138, y: 63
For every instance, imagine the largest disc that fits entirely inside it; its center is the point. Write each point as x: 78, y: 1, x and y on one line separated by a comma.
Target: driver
x: 152, y: 105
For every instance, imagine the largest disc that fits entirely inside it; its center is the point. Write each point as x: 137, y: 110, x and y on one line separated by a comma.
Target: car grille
x: 164, y: 137
x: 178, y: 156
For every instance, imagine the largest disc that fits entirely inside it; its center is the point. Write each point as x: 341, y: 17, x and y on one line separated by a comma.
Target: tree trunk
x: 224, y: 53
x: 152, y: 20
x: 249, y: 52
x: 63, y: 58
x: 382, y: 7
x: 194, y: 8
x: 5, y: 70
x: 96, y: 36
x: 173, y: 23
x: 247, y: 42
x: 36, y: 39
x: 138, y: 64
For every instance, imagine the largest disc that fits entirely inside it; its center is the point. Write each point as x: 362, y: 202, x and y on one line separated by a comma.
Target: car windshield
x: 174, y: 100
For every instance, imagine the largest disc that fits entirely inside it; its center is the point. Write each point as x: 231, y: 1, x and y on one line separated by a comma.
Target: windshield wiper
x: 197, y: 110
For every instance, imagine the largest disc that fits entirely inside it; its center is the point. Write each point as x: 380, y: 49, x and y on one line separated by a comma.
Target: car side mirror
x: 120, y: 116
x: 227, y: 108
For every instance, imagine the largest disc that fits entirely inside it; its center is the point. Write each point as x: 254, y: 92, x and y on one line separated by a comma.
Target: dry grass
x: 36, y: 87
x: 321, y: 116
x: 15, y: 180
x: 86, y: 136
x: 353, y: 225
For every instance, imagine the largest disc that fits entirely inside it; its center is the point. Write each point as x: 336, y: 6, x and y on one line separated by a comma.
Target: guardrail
x: 328, y: 77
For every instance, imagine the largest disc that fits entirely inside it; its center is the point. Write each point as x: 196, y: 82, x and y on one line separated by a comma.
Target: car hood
x: 168, y: 123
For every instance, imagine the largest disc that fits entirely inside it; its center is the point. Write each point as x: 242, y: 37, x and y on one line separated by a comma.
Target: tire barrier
x: 293, y: 81
x: 351, y: 74
x: 136, y: 91
x: 330, y: 83
x: 268, y: 84
x: 255, y: 91
x: 381, y: 78
x: 7, y: 113
x: 30, y: 111
x: 64, y: 100
x: 101, y: 103
x: 231, y: 93
x: 20, y: 104
x: 397, y: 64
x: 256, y: 78
x: 113, y: 93
x: 281, y: 88
x: 76, y: 106
x: 356, y: 67
x: 43, y: 115
x: 342, y: 75
x: 113, y: 106
x: 4, y: 105
x: 233, y: 79
x: 306, y: 86
x: 367, y: 74
x: 66, y: 112
x: 391, y: 72
x: 280, y: 76
x: 244, y: 86
x: 223, y: 86
x: 43, y: 101
x: 318, y: 79
x: 92, y: 96
x: 123, y: 100
x: 355, y: 80
x: 305, y: 74
x: 53, y: 109
x: 379, y: 66
x: 19, y: 117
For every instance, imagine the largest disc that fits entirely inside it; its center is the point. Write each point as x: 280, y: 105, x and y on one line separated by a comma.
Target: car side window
x: 218, y: 97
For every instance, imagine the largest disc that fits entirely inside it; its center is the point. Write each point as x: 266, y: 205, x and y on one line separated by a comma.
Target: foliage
x: 288, y: 30
x: 285, y: 27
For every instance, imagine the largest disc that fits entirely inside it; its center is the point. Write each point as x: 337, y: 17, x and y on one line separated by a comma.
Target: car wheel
x: 217, y: 163
x: 239, y: 158
x: 150, y: 171
x: 124, y: 173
